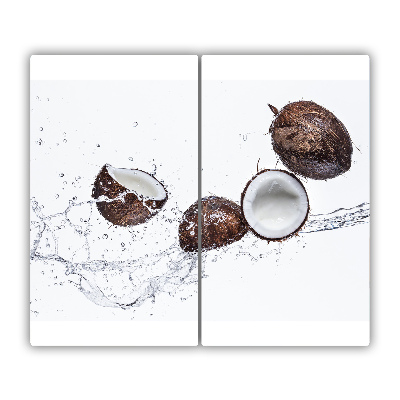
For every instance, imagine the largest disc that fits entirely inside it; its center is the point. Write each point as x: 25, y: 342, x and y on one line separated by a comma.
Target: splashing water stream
x: 340, y: 218
x: 66, y: 238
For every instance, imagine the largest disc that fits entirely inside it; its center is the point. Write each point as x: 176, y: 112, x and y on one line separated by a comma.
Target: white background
x: 208, y: 27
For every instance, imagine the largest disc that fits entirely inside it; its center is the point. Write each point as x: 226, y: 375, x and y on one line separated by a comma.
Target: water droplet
x: 135, y: 124
x: 39, y: 142
x: 57, y: 196
x: 130, y: 158
x: 61, y: 174
x: 41, y: 128
x: 97, y: 145
x: 123, y: 244
x: 65, y: 140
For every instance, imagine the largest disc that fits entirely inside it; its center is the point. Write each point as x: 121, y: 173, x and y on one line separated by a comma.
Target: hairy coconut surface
x: 127, y: 196
x: 222, y: 223
x: 275, y: 204
x: 310, y: 140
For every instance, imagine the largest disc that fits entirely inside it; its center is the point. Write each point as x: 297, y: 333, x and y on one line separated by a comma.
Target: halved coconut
x: 310, y: 140
x: 222, y: 223
x: 275, y: 204
x: 127, y: 196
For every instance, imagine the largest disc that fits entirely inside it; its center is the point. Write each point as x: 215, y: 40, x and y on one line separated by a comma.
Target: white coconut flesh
x: 275, y: 204
x: 142, y: 183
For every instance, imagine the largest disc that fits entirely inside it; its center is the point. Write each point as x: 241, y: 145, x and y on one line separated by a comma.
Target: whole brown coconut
x: 222, y: 223
x: 130, y: 196
x: 310, y: 140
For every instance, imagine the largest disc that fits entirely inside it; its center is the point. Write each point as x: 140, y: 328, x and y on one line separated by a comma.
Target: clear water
x: 113, y: 278
x: 340, y: 218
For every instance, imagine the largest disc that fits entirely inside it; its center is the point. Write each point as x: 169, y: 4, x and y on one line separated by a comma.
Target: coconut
x: 222, y: 223
x: 275, y: 204
x: 310, y: 140
x: 127, y: 196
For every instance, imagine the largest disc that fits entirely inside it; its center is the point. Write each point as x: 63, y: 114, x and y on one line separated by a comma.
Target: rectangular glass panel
x: 106, y: 265
x: 313, y: 287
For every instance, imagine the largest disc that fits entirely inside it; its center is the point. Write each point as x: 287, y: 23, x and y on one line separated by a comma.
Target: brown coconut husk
x: 222, y: 223
x: 310, y: 140
x: 123, y: 206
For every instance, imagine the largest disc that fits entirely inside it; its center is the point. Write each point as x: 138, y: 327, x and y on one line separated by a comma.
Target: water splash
x: 253, y: 250
x: 340, y: 218
x: 116, y: 279
x: 70, y: 238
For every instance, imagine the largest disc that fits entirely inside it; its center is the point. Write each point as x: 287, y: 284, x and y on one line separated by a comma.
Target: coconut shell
x: 310, y: 140
x: 222, y: 223
x: 295, y: 232
x: 123, y: 206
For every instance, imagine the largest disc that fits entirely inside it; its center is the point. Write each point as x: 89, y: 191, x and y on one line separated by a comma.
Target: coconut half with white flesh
x: 127, y: 196
x: 275, y: 204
